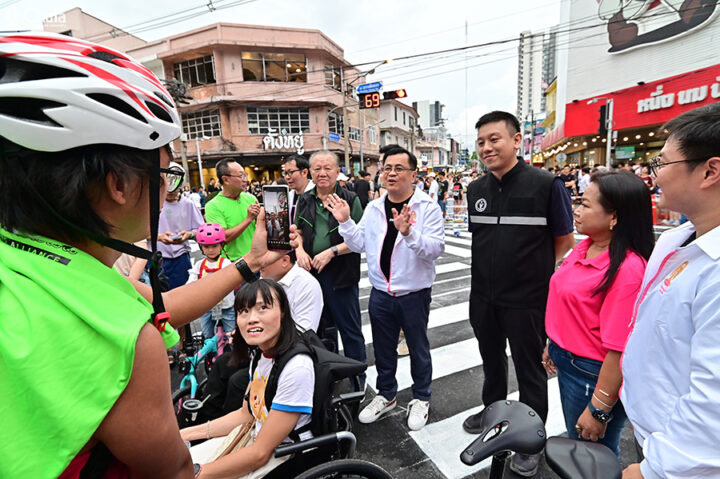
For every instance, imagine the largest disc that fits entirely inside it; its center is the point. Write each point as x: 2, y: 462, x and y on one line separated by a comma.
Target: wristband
x: 245, y: 271
x: 197, y: 467
x: 334, y: 250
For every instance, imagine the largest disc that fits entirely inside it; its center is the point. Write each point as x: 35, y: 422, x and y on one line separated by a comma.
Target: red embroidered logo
x: 667, y: 281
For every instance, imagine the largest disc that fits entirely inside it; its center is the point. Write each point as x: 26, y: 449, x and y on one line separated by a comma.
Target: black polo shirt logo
x: 480, y: 205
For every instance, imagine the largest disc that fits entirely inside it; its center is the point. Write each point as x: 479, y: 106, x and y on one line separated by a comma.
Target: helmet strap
x: 159, y: 316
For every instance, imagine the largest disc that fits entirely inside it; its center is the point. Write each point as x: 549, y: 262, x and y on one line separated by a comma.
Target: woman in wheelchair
x: 265, y: 327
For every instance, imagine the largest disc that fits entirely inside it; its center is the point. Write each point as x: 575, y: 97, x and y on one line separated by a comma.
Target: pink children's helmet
x: 210, y: 233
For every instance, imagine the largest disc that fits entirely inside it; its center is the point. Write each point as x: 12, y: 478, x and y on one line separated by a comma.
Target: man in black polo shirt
x: 521, y: 223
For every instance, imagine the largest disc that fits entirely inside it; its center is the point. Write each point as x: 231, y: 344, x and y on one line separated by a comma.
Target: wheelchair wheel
x: 346, y: 469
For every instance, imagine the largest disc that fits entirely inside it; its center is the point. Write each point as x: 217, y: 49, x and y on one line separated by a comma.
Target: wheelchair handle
x: 327, y: 439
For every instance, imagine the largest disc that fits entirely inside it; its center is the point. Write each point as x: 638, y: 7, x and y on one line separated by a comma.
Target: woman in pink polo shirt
x: 590, y: 304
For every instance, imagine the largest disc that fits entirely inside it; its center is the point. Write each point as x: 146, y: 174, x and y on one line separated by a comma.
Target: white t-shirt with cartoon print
x: 296, y: 385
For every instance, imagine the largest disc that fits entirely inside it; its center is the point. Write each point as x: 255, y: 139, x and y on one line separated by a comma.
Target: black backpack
x: 331, y: 372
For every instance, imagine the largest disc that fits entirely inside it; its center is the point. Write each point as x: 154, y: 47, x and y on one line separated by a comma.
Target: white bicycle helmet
x: 59, y: 92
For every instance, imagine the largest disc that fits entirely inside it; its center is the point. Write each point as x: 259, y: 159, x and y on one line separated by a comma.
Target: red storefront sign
x: 649, y: 104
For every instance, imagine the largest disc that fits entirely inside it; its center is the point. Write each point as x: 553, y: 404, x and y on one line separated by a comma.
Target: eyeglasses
x: 289, y: 172
x: 655, y: 164
x: 173, y: 177
x: 398, y: 169
x: 237, y: 176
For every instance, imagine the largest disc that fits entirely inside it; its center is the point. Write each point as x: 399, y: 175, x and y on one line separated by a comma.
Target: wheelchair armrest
x: 346, y: 398
x: 325, y: 440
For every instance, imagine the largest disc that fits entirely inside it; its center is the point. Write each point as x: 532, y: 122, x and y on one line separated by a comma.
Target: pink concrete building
x: 258, y: 93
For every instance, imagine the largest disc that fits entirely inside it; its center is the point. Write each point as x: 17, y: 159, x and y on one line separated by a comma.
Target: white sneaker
x: 377, y: 407
x: 417, y: 414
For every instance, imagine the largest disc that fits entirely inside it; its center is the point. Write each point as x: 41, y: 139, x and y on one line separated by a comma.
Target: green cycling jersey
x: 68, y: 328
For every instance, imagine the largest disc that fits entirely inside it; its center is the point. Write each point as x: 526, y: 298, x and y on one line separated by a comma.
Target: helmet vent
x: 29, y: 109
x: 154, y: 135
x: 159, y: 111
x: 12, y: 71
x: 104, y: 56
x: 164, y: 98
x: 116, y: 104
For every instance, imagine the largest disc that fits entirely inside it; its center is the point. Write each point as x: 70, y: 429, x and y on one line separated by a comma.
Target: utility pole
x: 345, y: 123
x: 361, y: 117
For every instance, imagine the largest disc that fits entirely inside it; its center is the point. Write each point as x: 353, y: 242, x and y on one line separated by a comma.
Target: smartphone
x: 176, y: 237
x: 277, y: 217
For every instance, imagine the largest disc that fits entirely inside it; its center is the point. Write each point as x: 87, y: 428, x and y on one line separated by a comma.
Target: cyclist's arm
x: 276, y: 428
x: 185, y: 303
x: 142, y: 419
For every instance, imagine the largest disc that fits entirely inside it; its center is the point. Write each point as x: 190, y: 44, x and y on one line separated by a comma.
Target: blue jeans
x: 387, y: 315
x: 227, y: 320
x: 577, y: 377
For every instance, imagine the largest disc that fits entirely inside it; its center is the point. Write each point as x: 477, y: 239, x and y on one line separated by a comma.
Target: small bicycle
x: 186, y: 400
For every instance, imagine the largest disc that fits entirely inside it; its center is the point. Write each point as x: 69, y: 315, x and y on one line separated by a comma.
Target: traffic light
x: 602, y: 121
x: 389, y: 95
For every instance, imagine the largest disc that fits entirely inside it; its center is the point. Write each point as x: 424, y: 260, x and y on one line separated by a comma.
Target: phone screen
x: 277, y: 218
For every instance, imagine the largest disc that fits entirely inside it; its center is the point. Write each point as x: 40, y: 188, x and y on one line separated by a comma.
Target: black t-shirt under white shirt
x: 390, y: 235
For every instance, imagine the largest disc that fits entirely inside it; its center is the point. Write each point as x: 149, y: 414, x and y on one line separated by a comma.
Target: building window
x: 396, y: 116
x: 280, y: 67
x: 403, y: 118
x: 411, y: 123
x: 292, y: 120
x: 333, y: 77
x: 354, y: 133
x: 335, y: 123
x: 202, y: 124
x: 195, y: 72
x: 407, y: 143
x: 373, y: 136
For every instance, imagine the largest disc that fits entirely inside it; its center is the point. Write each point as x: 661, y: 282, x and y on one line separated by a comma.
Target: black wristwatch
x: 245, y: 271
x: 598, y: 414
x: 334, y: 250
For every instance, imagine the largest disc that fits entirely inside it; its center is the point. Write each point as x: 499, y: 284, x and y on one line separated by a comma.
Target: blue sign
x: 333, y: 136
x: 539, y: 130
x: 369, y: 87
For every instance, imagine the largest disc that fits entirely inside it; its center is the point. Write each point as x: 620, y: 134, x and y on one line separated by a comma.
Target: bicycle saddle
x: 572, y: 459
x: 506, y: 426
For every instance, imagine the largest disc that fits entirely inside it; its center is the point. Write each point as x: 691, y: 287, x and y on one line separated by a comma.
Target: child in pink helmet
x: 211, y: 238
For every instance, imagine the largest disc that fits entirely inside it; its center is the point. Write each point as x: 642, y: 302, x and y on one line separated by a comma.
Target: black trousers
x: 524, y: 329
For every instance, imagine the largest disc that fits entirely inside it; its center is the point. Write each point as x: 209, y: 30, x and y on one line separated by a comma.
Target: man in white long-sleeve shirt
x: 402, y: 233
x: 671, y: 365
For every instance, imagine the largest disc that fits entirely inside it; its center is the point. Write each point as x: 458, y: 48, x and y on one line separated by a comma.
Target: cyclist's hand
x: 184, y: 236
x: 590, y: 428
x: 632, y: 472
x: 259, y: 256
x: 548, y: 363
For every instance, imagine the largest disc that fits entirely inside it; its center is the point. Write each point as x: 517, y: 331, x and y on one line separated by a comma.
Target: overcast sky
x: 368, y: 30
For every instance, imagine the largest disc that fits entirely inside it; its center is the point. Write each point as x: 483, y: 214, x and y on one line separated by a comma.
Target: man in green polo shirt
x: 323, y: 252
x: 234, y: 208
